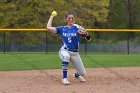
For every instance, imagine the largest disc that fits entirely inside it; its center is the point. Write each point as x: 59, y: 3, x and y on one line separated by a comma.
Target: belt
x: 73, y: 50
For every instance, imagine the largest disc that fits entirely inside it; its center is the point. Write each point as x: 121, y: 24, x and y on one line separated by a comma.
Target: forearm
x: 49, y: 25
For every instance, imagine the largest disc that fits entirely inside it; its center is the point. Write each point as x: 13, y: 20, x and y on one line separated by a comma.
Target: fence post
x: 128, y: 44
x: 46, y: 42
x: 4, y: 42
x: 85, y: 47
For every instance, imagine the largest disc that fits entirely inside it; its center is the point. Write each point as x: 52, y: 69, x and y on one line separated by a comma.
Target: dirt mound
x: 98, y: 80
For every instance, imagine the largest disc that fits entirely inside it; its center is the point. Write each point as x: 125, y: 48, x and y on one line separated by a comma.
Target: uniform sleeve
x: 59, y: 30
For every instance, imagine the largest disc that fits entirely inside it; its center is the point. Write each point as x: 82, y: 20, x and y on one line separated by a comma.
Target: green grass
x: 111, y: 60
x: 30, y: 61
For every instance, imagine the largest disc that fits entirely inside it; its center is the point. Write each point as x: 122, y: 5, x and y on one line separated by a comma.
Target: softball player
x: 69, y: 50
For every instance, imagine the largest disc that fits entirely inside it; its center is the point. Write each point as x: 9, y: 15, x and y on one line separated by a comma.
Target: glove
x: 82, y: 32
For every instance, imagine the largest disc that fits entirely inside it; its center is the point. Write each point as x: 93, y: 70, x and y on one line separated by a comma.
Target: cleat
x: 65, y: 81
x: 80, y: 78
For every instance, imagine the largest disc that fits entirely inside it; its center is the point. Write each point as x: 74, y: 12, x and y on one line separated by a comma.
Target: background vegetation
x: 90, y: 14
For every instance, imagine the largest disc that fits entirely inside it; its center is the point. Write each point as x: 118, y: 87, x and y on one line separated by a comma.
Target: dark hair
x: 69, y: 13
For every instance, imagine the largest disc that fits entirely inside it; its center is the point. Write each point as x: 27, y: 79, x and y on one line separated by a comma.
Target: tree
x: 35, y: 14
x: 124, y: 14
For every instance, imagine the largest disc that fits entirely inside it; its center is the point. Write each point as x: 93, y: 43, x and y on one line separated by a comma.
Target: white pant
x: 74, y: 58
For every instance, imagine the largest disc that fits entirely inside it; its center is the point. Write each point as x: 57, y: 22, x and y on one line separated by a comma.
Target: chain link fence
x: 88, y: 48
x: 48, y: 42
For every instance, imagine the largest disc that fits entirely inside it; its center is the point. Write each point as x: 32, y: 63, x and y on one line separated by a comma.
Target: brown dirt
x: 98, y: 80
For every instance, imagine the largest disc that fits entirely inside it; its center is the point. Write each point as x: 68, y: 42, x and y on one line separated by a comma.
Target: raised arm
x: 49, y: 24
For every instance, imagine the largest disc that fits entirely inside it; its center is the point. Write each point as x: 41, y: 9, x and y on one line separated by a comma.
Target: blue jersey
x: 69, y: 37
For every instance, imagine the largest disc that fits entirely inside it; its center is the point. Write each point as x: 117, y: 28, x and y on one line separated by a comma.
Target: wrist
x: 88, y: 38
x: 51, y: 17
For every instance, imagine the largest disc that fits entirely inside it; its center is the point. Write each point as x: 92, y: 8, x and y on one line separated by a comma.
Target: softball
x: 54, y: 13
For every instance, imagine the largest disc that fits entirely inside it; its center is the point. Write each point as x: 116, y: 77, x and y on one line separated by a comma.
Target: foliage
x: 123, y: 14
x: 89, y: 14
x: 35, y: 14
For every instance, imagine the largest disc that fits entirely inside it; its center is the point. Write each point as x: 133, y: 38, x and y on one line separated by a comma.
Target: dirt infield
x: 98, y: 80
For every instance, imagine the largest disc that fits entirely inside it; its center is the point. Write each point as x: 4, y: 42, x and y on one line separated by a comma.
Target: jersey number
x: 69, y: 39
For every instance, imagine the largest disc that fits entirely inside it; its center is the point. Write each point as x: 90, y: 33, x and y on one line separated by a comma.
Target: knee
x: 66, y: 58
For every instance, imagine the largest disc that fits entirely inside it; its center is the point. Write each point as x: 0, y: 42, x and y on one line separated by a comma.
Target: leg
x: 78, y: 64
x: 65, y: 57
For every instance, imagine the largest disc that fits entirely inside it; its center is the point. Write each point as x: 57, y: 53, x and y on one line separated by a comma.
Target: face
x: 70, y: 20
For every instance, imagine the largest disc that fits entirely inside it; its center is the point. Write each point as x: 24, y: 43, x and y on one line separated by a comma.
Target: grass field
x: 31, y: 61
